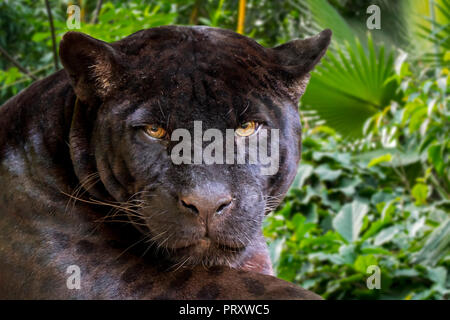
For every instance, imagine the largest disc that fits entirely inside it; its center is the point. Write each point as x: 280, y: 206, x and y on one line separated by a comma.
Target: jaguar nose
x: 206, y: 204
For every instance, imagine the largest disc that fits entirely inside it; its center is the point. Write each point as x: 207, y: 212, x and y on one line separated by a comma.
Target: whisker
x: 134, y: 244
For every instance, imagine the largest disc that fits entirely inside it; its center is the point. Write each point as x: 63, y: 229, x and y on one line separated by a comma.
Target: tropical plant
x: 350, y: 86
x: 438, y: 34
x: 388, y: 206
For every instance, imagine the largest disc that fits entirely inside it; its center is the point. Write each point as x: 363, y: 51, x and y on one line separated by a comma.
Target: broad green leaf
x: 349, y: 220
x: 438, y: 275
x: 301, y: 227
x: 40, y: 36
x: 389, y: 209
x: 416, y: 227
x: 384, y: 158
x: 417, y: 118
x: 326, y: 16
x: 363, y: 262
x: 325, y: 173
x: 436, y: 246
x: 420, y: 193
x: 386, y: 235
x: 303, y: 173
x: 348, y: 186
x: 347, y: 253
x: 286, y: 210
x: 311, y: 214
x: 373, y: 229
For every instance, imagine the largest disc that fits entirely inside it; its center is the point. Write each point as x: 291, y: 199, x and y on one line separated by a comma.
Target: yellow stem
x: 82, y: 13
x: 241, y: 18
x: 194, y: 15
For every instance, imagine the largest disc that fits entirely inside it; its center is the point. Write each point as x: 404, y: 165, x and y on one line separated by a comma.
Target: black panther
x: 87, y: 177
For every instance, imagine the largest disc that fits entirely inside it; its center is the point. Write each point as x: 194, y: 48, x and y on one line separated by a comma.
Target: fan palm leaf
x: 438, y: 33
x: 326, y: 16
x: 350, y: 86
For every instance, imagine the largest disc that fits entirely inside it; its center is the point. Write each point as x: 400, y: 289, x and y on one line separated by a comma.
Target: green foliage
x: 356, y: 83
x: 329, y: 231
x: 438, y: 33
x: 133, y: 17
x: 382, y: 203
x: 19, y: 19
x: 326, y: 16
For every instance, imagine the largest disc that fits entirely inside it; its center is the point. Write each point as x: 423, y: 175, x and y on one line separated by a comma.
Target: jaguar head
x: 168, y: 118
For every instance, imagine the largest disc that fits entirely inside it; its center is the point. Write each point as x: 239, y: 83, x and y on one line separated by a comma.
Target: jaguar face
x: 191, y: 91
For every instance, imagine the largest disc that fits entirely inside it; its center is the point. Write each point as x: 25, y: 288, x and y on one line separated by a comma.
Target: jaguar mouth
x: 206, y: 244
x: 207, y: 253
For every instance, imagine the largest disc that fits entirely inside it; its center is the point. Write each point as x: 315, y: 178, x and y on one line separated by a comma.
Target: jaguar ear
x: 92, y: 65
x: 298, y: 57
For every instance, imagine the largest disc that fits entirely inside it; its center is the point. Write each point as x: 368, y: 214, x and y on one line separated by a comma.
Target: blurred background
x: 374, y: 182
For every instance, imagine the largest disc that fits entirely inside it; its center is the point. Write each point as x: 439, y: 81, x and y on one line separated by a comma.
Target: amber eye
x: 247, y: 129
x: 155, y: 131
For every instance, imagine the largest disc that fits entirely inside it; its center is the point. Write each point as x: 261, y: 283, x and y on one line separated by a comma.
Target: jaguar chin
x: 208, y: 253
x: 207, y: 224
